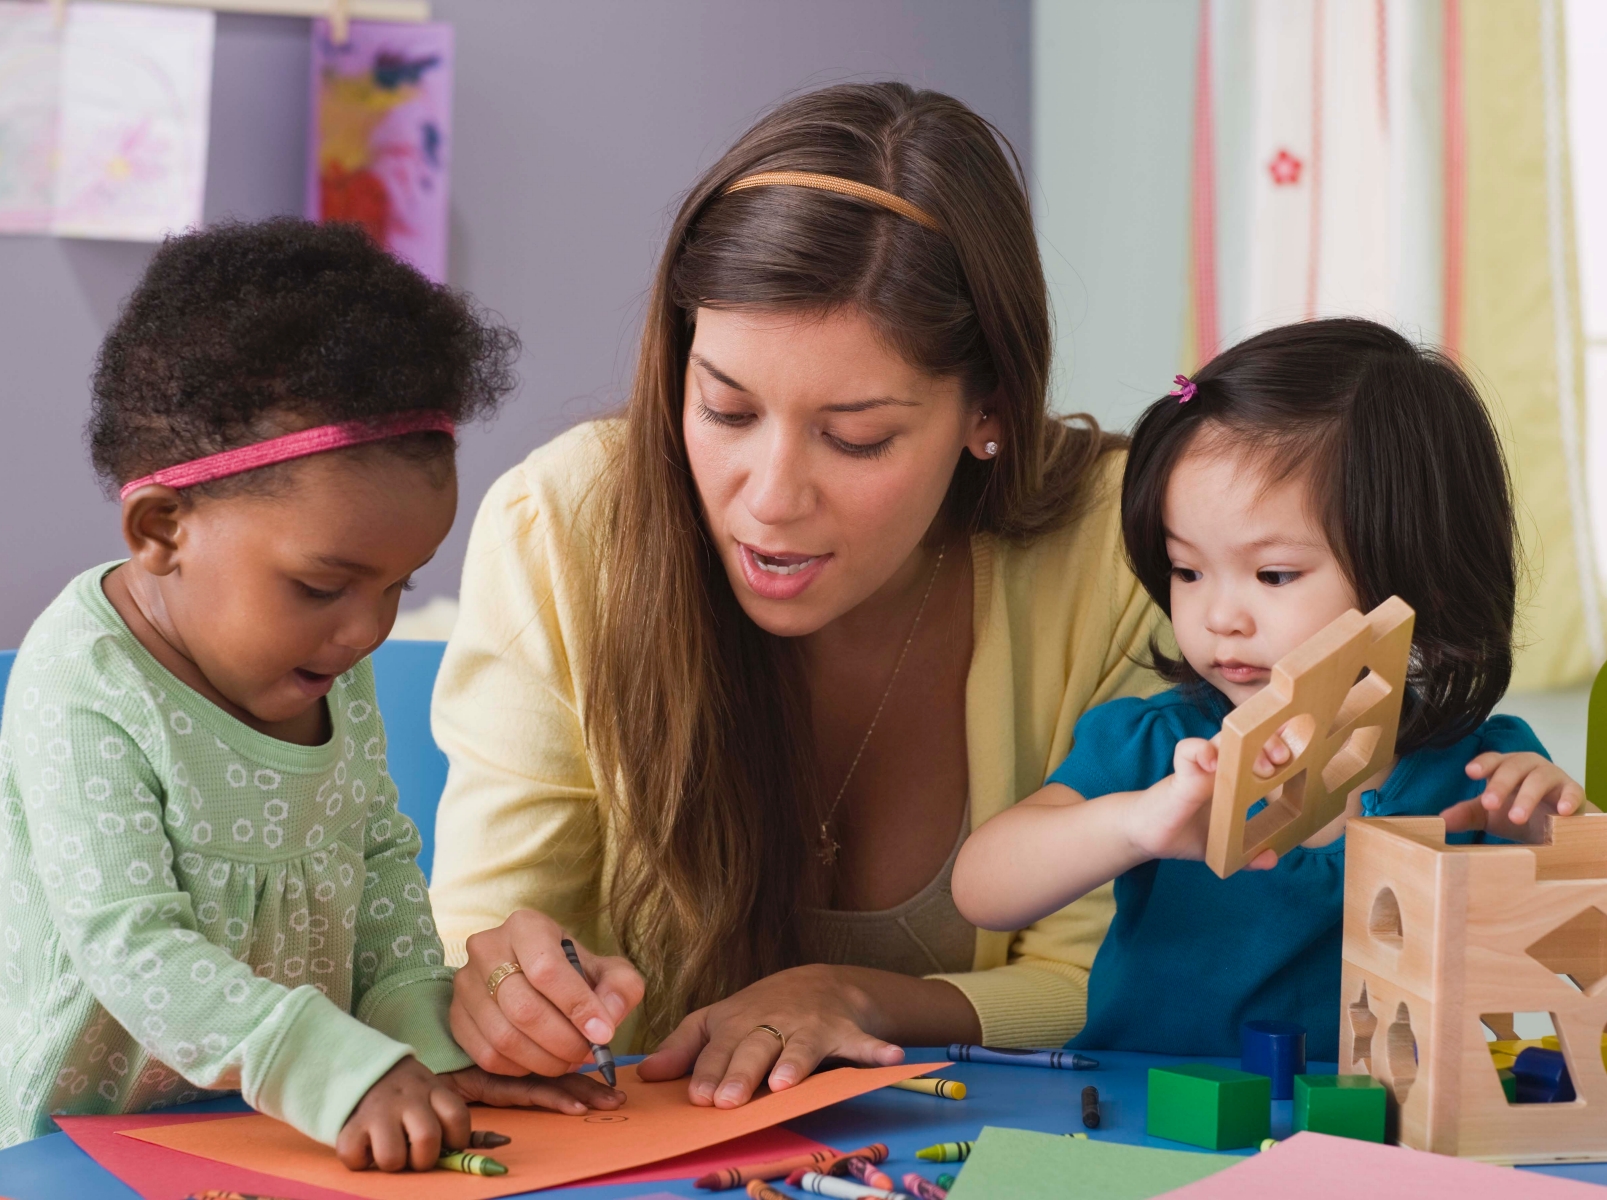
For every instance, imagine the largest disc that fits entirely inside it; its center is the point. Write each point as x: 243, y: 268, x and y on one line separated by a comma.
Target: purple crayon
x: 923, y: 1188
x: 1059, y: 1060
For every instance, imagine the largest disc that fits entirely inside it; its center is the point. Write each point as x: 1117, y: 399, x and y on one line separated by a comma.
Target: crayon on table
x: 484, y: 1139
x: 1090, y: 1107
x: 945, y: 1181
x: 1059, y: 1060
x: 470, y: 1164
x: 869, y: 1173
x: 946, y: 1152
x: 843, y: 1189
x: 213, y: 1194
x: 760, y: 1190
x: 836, y: 1164
x: 923, y: 1188
x: 603, y: 1056
x: 730, y: 1177
x: 944, y: 1089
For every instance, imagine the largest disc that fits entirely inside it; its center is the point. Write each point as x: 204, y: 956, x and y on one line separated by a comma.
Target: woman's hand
x: 824, y: 1011
x: 543, y: 1017
x: 1520, y: 791
x: 412, y: 1116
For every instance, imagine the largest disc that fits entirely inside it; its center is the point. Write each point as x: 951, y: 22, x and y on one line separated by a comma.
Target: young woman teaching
x: 737, y: 671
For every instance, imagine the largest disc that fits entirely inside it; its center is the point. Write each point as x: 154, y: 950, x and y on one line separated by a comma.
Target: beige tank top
x: 925, y: 935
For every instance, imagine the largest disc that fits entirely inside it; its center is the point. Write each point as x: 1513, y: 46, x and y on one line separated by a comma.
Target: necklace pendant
x: 828, y: 846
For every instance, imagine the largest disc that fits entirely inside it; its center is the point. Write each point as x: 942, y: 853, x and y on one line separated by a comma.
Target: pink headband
x: 292, y: 445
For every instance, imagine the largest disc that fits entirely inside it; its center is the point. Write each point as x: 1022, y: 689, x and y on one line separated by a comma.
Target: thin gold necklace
x: 828, y: 845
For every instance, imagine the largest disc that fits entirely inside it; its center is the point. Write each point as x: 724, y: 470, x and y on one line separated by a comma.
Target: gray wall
x: 578, y: 126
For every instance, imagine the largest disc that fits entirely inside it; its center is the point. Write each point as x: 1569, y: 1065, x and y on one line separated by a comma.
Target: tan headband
x: 843, y: 187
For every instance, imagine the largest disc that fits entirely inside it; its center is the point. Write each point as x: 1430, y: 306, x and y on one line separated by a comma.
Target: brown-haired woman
x: 735, y: 674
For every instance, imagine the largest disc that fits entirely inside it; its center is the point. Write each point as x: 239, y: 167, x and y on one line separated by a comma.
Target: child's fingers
x: 387, y: 1144
x: 423, y: 1132
x: 1541, y: 786
x: 453, y: 1116
x: 1570, y: 799
x: 351, y: 1147
x: 1501, y: 783
x: 535, y: 1091
x: 1264, y: 861
x: 1468, y: 815
x: 1481, y: 765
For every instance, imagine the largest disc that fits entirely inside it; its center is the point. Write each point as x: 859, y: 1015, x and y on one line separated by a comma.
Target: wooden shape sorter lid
x: 1339, y: 724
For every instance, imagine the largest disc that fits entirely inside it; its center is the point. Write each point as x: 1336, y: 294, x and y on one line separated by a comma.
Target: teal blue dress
x: 1190, y: 957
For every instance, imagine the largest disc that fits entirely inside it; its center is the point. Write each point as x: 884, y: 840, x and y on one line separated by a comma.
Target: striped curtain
x: 1407, y: 160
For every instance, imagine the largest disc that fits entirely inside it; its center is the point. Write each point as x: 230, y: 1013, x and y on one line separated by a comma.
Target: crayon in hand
x: 484, y: 1139
x: 470, y: 1164
x: 946, y: 1152
x: 603, y: 1056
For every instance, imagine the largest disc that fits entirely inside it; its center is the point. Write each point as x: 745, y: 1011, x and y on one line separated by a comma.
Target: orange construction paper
x: 548, y: 1149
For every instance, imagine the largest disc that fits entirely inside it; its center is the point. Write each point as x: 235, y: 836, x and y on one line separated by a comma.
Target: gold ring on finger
x: 494, y: 980
x: 773, y: 1032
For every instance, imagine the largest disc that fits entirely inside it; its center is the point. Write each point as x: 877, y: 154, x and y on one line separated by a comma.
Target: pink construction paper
x: 157, y: 1173
x: 1315, y: 1166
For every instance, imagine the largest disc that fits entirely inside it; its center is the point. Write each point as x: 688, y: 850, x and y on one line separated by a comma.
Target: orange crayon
x: 876, y: 1152
x: 730, y: 1177
x: 760, y: 1190
x: 869, y: 1174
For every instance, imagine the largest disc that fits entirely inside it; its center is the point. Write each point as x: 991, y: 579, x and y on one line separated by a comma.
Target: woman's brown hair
x: 703, y: 717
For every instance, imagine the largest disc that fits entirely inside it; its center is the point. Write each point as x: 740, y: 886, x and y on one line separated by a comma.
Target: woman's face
x: 821, y: 457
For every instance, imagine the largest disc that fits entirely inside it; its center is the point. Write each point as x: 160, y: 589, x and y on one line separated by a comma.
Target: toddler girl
x: 1312, y: 469
x: 204, y: 880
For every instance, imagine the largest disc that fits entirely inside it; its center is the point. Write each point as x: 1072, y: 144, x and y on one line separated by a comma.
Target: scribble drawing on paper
x: 103, y: 122
x: 381, y: 113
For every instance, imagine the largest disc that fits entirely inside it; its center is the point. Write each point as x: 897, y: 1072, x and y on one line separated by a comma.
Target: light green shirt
x: 188, y: 905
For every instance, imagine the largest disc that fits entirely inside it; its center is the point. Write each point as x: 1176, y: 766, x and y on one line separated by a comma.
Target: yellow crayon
x: 946, y: 1152
x: 470, y: 1164
x: 1268, y: 1143
x: 944, y: 1089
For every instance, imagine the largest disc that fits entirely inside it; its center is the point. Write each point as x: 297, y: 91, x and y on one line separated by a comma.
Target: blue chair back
x: 404, y: 677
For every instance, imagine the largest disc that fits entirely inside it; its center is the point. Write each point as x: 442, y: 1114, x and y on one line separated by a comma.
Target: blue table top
x: 51, y: 1168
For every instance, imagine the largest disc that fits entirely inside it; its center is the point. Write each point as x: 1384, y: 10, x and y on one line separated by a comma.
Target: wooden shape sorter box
x: 1443, y: 942
x: 1336, y: 700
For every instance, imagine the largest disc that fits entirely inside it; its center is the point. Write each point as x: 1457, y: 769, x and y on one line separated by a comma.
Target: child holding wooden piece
x: 204, y: 880
x: 1309, y: 470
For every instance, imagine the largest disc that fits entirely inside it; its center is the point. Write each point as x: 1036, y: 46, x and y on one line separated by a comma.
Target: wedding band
x: 773, y: 1032
x: 494, y: 980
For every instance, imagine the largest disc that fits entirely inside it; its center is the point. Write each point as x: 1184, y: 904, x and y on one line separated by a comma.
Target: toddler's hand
x: 412, y: 1116
x: 1172, y: 819
x: 1520, y: 790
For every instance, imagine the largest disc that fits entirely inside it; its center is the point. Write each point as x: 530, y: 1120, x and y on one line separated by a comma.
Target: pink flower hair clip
x: 1185, y: 389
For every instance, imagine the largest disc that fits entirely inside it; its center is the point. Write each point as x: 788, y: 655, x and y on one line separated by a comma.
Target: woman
x: 734, y: 675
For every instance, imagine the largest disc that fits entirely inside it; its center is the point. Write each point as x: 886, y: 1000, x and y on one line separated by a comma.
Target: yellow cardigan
x: 1058, y: 626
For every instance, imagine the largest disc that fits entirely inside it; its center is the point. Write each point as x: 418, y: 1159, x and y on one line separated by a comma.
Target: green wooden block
x: 1344, y: 1105
x: 1214, y: 1107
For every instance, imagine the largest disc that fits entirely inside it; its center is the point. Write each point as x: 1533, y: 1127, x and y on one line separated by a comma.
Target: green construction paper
x: 1015, y: 1164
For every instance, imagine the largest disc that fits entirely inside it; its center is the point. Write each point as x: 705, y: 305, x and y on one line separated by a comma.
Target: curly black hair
x: 246, y: 330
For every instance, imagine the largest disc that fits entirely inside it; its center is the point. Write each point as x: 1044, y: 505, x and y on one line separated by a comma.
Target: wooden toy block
x: 1352, y: 1106
x: 1442, y: 943
x: 1339, y: 724
x: 1217, y: 1108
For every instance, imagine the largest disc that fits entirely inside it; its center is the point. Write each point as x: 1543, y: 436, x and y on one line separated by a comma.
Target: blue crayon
x: 1059, y: 1060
